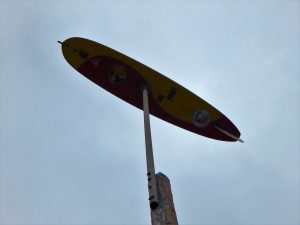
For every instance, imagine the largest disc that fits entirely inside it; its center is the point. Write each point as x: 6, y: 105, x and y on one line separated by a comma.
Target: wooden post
x: 165, y: 213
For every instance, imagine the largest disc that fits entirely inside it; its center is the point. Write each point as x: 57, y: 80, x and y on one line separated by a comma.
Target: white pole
x: 152, y: 185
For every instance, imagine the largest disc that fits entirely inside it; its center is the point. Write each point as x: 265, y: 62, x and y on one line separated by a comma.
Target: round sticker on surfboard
x: 201, y: 118
x: 117, y: 74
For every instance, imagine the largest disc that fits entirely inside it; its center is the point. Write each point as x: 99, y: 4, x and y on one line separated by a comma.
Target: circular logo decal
x: 201, y: 118
x: 117, y: 74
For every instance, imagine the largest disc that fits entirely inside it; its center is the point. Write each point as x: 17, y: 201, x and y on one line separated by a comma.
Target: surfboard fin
x: 229, y: 134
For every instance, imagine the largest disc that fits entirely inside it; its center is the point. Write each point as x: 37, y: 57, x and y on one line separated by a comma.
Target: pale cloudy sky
x: 72, y: 153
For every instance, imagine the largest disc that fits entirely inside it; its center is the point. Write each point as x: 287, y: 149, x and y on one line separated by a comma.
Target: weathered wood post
x: 165, y: 213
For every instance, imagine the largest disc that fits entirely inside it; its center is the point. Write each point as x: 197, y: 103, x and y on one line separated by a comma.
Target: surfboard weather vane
x: 151, y: 92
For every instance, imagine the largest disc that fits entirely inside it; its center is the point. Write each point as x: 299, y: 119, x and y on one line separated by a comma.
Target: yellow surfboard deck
x: 124, y: 77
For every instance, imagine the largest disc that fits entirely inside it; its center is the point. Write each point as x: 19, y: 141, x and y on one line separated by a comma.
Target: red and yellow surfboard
x: 125, y: 77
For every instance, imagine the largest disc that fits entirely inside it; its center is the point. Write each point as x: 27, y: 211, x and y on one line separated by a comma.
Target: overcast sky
x: 72, y: 153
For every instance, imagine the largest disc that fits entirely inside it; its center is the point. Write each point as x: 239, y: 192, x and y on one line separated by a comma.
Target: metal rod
x: 152, y: 185
x: 229, y: 134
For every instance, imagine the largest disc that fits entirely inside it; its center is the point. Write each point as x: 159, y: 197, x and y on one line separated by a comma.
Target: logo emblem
x: 201, y: 118
x: 117, y: 74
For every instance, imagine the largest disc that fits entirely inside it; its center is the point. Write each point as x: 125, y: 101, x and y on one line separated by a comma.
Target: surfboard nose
x: 74, y: 51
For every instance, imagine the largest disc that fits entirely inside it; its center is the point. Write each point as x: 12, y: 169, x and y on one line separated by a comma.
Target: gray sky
x: 72, y: 153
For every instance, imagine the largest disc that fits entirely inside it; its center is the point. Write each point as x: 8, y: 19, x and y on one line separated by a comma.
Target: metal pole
x: 152, y: 185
